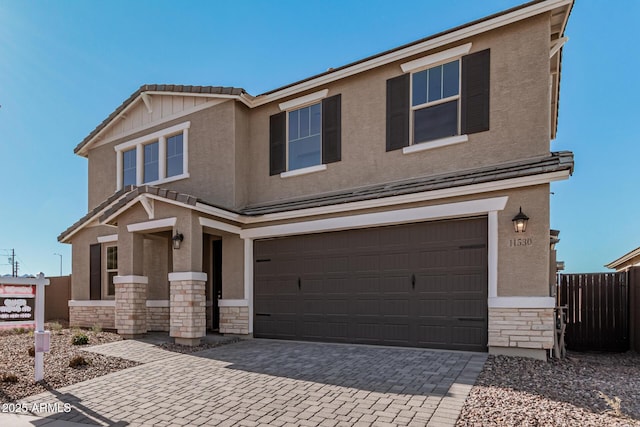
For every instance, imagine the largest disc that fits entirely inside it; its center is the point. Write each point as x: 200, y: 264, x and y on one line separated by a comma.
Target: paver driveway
x: 275, y: 383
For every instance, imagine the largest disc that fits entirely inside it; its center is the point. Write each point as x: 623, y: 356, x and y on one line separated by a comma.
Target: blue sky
x: 66, y: 65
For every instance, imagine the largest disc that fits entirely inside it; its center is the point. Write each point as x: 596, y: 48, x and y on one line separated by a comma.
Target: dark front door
x: 216, y: 280
x: 419, y: 285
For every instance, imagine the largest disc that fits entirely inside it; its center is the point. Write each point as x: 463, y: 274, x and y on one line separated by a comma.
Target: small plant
x: 78, y: 362
x: 80, y: 339
x: 614, y: 404
x: 55, y: 326
x: 20, y: 331
x: 96, y: 328
x: 32, y: 351
x: 8, y: 377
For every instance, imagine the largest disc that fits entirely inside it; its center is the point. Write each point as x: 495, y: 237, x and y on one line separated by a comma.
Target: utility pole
x: 12, y: 259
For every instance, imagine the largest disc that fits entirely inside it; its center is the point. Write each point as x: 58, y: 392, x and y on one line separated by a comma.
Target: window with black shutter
x: 305, y: 136
x: 439, y: 101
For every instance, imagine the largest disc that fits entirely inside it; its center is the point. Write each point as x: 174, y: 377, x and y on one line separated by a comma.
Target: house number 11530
x: 520, y: 242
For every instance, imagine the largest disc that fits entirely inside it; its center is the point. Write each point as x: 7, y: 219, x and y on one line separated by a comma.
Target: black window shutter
x: 331, y: 144
x: 475, y: 92
x: 277, y: 143
x: 95, y: 271
x: 398, y: 112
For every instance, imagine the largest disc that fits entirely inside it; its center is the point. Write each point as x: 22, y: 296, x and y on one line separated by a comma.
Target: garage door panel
x: 419, y: 284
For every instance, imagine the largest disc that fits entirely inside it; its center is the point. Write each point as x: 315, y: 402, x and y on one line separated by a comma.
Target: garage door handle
x: 263, y: 314
x: 413, y: 281
x: 299, y: 283
x: 472, y: 319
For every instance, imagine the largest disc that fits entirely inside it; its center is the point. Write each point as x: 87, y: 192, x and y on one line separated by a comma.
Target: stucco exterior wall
x: 80, y: 258
x: 519, y: 116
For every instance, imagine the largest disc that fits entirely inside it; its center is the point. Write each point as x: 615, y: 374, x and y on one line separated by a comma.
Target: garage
x: 419, y: 285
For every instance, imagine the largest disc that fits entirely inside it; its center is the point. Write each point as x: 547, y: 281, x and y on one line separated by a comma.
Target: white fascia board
x: 401, y: 216
x: 453, y: 37
x: 303, y: 100
x: 92, y: 303
x: 219, y: 225
x: 153, y: 136
x: 233, y: 303
x: 436, y: 58
x: 522, y: 302
x: 108, y: 239
x: 615, y: 264
x: 242, y: 98
x: 465, y: 190
x: 151, y: 226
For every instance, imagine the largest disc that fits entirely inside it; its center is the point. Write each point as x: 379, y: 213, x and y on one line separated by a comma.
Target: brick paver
x: 266, y: 382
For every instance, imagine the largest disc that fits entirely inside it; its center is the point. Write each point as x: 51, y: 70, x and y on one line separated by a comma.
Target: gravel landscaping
x: 512, y: 391
x: 17, y: 365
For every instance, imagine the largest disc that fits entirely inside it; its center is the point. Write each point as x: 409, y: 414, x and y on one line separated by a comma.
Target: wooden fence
x: 598, y: 311
x: 57, y: 296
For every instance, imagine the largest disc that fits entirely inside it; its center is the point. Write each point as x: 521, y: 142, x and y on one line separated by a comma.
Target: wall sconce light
x: 177, y: 240
x: 520, y: 222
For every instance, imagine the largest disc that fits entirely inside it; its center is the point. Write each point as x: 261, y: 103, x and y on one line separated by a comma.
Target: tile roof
x: 212, y: 90
x: 554, y: 162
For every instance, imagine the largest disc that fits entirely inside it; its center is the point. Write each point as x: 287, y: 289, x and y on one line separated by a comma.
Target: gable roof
x: 624, y: 259
x: 560, y: 162
x: 560, y: 13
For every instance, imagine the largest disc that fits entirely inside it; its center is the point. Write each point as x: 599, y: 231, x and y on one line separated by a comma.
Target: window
x: 112, y: 269
x: 305, y: 135
x: 151, y: 162
x: 439, y: 100
x: 435, y: 102
x: 153, y: 159
x: 174, y: 155
x: 129, y: 167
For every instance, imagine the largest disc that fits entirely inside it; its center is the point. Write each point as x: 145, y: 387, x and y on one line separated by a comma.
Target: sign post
x: 17, y: 310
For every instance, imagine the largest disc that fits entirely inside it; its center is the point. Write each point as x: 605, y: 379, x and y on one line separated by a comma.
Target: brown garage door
x: 419, y: 285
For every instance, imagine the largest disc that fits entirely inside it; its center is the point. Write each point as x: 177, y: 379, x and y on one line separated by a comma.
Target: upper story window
x: 435, y: 103
x: 154, y: 159
x: 439, y: 100
x: 306, y: 135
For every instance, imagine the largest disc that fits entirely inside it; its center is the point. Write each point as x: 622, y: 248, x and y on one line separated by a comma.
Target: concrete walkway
x: 270, y: 383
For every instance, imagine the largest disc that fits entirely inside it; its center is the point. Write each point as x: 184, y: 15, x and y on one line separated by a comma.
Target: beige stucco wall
x: 212, y: 159
x: 80, y: 258
x: 519, y: 116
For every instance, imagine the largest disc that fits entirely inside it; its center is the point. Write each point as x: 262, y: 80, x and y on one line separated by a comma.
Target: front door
x: 216, y: 279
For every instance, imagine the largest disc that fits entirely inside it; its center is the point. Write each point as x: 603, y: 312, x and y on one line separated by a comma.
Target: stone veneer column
x: 521, y: 331
x: 234, y: 316
x: 131, y: 305
x: 187, y: 307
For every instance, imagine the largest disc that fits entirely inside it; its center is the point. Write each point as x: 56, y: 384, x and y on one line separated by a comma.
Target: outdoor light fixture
x: 177, y: 240
x: 519, y: 222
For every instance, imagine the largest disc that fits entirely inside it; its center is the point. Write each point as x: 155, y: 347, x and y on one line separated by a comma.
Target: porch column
x: 187, y: 300
x: 187, y: 307
x: 130, y: 286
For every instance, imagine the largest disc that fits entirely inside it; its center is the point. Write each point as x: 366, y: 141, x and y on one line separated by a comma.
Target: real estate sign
x: 17, y: 306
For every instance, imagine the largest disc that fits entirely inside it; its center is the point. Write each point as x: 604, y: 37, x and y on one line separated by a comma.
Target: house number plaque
x: 525, y: 241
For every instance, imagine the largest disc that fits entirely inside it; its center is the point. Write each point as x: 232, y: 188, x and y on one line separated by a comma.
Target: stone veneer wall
x: 158, y: 319
x: 234, y: 320
x: 526, y: 328
x: 188, y: 309
x: 87, y: 317
x: 131, y: 308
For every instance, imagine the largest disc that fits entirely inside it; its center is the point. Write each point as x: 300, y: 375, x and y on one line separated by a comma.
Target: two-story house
x: 399, y: 200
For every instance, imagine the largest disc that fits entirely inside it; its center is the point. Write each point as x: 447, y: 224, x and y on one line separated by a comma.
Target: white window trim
x: 303, y: 171
x: 435, y: 59
x: 139, y: 143
x: 437, y: 143
x: 302, y: 101
x: 105, y: 291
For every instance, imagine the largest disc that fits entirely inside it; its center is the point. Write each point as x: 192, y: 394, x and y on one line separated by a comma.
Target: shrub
x: 8, y: 377
x: 80, y: 339
x: 32, y: 351
x: 78, y: 362
x: 55, y: 326
x: 96, y: 328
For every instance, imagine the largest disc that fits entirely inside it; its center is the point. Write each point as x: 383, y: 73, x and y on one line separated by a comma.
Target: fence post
x: 634, y: 308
